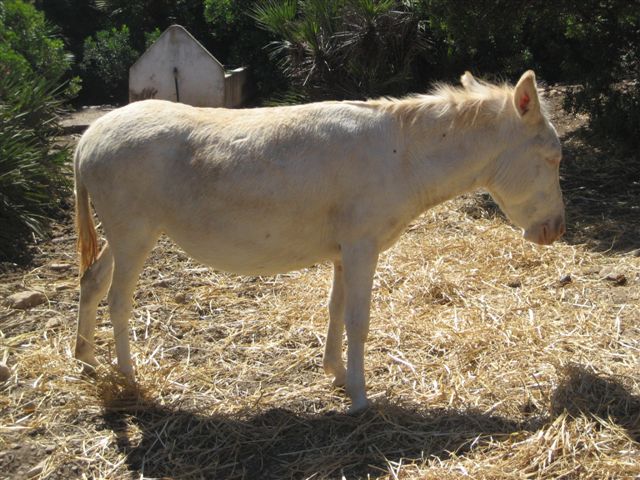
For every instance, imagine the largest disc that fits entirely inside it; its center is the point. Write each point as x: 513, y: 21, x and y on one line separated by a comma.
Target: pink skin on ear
x: 524, y: 103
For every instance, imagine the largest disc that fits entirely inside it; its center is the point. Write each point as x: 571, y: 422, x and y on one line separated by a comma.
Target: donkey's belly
x: 259, y: 252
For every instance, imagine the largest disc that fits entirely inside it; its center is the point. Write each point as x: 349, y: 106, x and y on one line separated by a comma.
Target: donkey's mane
x: 481, y: 103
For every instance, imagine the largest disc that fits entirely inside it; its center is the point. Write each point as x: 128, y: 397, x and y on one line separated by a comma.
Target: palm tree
x: 344, y: 48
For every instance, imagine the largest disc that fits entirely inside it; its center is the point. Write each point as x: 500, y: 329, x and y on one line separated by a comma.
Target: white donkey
x: 269, y: 190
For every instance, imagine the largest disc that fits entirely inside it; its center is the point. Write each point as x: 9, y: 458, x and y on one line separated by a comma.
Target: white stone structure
x: 178, y: 68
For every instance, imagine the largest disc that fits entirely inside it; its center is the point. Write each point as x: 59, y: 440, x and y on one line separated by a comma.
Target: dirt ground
x: 489, y: 357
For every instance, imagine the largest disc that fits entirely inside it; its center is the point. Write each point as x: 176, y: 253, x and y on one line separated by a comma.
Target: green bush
x: 32, y: 180
x: 25, y: 31
x: 76, y: 19
x: 604, y: 59
x: 593, y: 44
x: 348, y: 49
x: 236, y: 40
x: 144, y: 16
x: 487, y: 36
x: 151, y: 37
x: 105, y: 64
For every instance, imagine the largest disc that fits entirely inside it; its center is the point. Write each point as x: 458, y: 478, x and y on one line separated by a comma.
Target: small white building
x: 178, y: 68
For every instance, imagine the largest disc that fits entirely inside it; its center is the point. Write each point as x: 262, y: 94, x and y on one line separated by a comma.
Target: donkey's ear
x: 468, y: 82
x: 525, y: 98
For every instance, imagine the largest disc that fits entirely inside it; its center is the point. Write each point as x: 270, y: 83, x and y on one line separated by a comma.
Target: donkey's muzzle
x: 546, y: 233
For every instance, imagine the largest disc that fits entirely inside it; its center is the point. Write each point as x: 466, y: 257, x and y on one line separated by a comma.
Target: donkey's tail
x: 87, y: 244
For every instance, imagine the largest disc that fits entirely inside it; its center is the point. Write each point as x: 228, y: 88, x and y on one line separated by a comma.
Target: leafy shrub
x: 483, y: 35
x: 76, y: 19
x: 143, y: 16
x: 351, y: 49
x: 151, y: 37
x: 236, y: 40
x: 24, y: 31
x: 605, y: 61
x: 32, y: 180
x: 592, y: 43
x: 105, y: 64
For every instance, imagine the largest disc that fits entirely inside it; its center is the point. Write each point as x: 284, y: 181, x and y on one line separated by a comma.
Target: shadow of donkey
x: 279, y: 443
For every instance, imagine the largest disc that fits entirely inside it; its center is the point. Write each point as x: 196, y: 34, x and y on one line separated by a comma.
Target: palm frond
x: 276, y: 16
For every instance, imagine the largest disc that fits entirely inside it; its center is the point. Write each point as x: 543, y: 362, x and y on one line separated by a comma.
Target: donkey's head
x: 525, y: 180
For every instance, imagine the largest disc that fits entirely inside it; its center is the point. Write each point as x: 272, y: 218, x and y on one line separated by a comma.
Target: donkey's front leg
x: 359, y: 262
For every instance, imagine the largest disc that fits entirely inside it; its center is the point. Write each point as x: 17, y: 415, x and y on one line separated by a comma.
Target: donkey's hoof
x: 358, y: 407
x: 89, y: 364
x: 128, y: 375
x: 340, y: 380
x: 88, y: 370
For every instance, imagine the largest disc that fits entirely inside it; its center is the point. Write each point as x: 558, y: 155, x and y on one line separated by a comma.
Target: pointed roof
x: 180, y: 31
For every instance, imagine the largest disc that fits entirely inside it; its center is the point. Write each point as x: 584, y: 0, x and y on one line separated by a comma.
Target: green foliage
x: 483, y: 35
x: 106, y: 61
x: 151, y: 37
x: 142, y: 16
x: 592, y: 43
x: 76, y: 19
x: 220, y: 13
x: 236, y: 40
x: 604, y: 58
x: 83, y: 19
x: 31, y: 179
x: 345, y: 48
x: 31, y: 169
x: 27, y: 42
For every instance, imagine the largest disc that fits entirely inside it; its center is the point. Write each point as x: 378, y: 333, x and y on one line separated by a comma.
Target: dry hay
x: 488, y: 357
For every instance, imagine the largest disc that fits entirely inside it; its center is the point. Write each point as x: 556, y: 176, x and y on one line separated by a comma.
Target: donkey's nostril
x: 562, y: 230
x: 545, y: 234
x: 560, y: 227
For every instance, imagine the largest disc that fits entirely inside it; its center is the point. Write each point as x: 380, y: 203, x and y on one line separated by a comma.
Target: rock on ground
x: 5, y: 373
x: 25, y: 300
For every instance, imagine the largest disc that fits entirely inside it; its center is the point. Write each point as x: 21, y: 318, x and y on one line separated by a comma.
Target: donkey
x: 268, y: 190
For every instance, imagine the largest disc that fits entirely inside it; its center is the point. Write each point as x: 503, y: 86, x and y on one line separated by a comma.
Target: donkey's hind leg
x: 128, y: 259
x: 332, y: 362
x: 93, y: 287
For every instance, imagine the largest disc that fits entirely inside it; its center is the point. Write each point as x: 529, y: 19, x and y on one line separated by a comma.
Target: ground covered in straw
x: 488, y: 357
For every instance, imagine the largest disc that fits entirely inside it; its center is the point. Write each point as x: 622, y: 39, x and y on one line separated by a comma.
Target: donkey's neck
x: 446, y: 162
